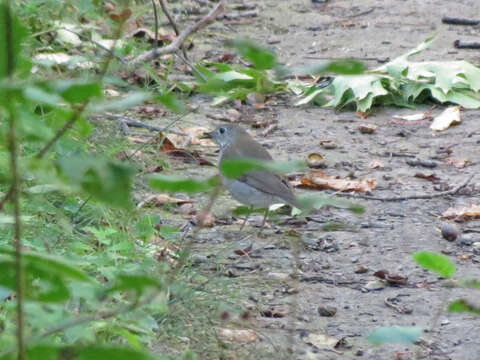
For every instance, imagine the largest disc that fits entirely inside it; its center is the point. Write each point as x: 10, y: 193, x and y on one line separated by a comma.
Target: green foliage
x: 403, y: 83
x: 261, y: 58
x: 233, y: 168
x: 317, y: 201
x: 435, y: 262
x: 463, y: 306
x: 178, y: 184
x: 394, y: 334
x: 10, y: 29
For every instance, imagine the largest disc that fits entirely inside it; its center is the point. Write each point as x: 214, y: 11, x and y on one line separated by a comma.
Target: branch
x: 410, y: 197
x: 172, y: 23
x: 175, y: 45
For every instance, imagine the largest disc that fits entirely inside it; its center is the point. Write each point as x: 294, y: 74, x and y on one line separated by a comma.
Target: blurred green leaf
x: 260, y: 57
x: 77, y: 90
x: 317, y: 201
x: 38, y: 95
x: 136, y: 283
x: 167, y: 99
x: 83, y: 352
x: 233, y: 168
x: 470, y: 283
x: 9, y: 28
x: 179, y: 184
x: 346, y: 67
x: 435, y: 262
x: 463, y: 306
x: 105, y: 179
x: 394, y: 334
x: 132, y: 99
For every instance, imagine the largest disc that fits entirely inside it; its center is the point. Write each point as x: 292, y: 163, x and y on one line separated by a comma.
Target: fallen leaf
x: 244, y: 251
x: 322, y: 341
x: 243, y: 336
x: 328, y: 144
x: 161, y: 199
x: 194, y: 137
x: 317, y: 179
x: 375, y: 164
x: 230, y: 115
x: 415, y: 117
x: 428, y: 176
x: 391, y: 279
x: 458, y: 163
x: 450, y: 116
x: 464, y: 213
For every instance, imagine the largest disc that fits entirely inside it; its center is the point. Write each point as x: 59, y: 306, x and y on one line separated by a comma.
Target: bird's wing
x: 262, y: 180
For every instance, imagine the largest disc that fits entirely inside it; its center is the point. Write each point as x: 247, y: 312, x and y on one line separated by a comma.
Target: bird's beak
x: 207, y: 135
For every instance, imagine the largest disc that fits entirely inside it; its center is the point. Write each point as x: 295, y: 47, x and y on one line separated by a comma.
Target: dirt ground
x: 336, y: 268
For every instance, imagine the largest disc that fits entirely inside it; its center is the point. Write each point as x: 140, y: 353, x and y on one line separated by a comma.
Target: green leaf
x: 77, y: 90
x: 38, y: 95
x: 105, y: 179
x: 45, y: 277
x: 394, y: 334
x: 133, y: 99
x: 173, y: 184
x: 260, y: 57
x: 168, y: 100
x: 83, y: 352
x: 345, y: 67
x: 11, y: 29
x: 317, y: 201
x: 435, y: 262
x: 463, y: 306
x: 233, y: 168
x: 136, y: 283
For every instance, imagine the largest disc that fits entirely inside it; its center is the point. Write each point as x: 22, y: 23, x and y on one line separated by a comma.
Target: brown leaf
x: 391, y: 279
x: 195, y: 133
x: 161, y: 199
x: 464, y: 213
x: 244, y: 251
x: 429, y: 177
x: 367, y: 128
x: 317, y: 179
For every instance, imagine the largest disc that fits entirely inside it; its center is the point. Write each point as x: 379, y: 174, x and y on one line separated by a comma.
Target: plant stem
x: 12, y: 147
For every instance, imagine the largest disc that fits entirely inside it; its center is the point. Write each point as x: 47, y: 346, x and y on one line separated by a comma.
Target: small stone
x: 354, y: 260
x: 449, y: 231
x: 467, y: 239
x: 445, y: 322
x: 374, y: 285
x: 476, y: 248
x: 367, y: 128
x: 326, y: 310
x: 361, y: 270
x: 198, y: 259
x: 359, y: 353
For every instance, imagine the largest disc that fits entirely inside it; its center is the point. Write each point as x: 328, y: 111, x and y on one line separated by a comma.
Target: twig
x: 169, y: 17
x: 104, y: 48
x: 191, y: 66
x: 174, y: 46
x: 241, y: 14
x: 155, y: 15
x: 361, y: 13
x: 459, y: 21
x: 459, y: 44
x: 410, y: 197
x: 141, y: 125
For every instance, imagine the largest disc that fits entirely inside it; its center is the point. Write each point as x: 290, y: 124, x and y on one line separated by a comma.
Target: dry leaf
x: 464, y: 213
x: 243, y: 336
x: 195, y: 133
x: 450, y: 116
x: 319, y: 180
x: 415, y: 117
x: 375, y: 164
x: 322, y: 341
x: 458, y: 163
x: 161, y: 199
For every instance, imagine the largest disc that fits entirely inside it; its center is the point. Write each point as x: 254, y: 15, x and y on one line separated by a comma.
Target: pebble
x: 374, y: 285
x: 476, y: 248
x: 449, y: 231
x: 326, y: 310
x: 467, y: 239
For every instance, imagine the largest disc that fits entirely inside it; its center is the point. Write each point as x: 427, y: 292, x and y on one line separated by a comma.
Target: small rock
x: 367, y: 128
x: 278, y: 276
x: 361, y: 270
x: 326, y: 310
x: 328, y: 144
x: 198, y: 259
x: 449, y: 231
x: 445, y: 322
x: 254, y: 98
x: 186, y: 209
x: 354, y: 260
x: 374, y: 285
x: 476, y: 248
x: 467, y: 239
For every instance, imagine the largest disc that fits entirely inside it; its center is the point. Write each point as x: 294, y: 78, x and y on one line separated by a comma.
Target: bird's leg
x: 264, y: 220
x: 245, y: 220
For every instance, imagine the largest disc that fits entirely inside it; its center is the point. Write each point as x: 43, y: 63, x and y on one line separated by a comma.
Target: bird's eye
x: 222, y: 130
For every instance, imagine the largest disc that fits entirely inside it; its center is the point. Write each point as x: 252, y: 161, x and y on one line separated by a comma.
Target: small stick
x: 172, y: 23
x: 241, y: 14
x: 174, y: 46
x: 155, y: 15
x: 361, y: 13
x: 411, y: 197
x: 459, y: 44
x: 138, y: 124
x: 459, y: 21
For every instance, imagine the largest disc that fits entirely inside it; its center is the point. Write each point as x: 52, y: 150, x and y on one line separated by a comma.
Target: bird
x: 255, y: 188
